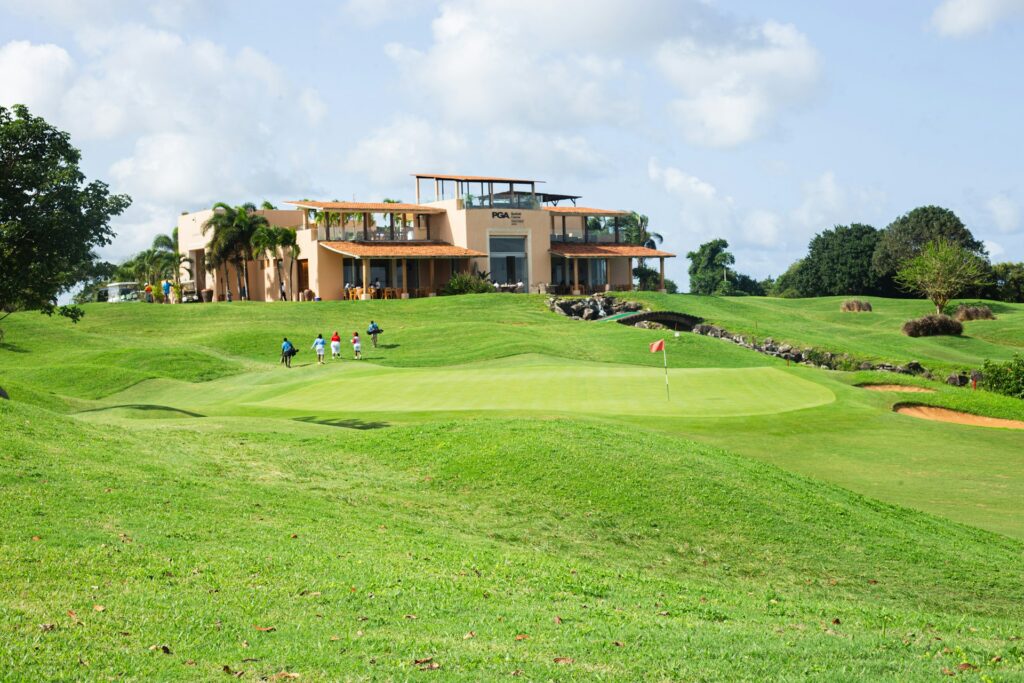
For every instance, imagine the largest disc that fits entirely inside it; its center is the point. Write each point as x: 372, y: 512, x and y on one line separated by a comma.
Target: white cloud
x: 729, y: 92
x: 994, y: 249
x: 1004, y: 212
x: 762, y: 228
x: 827, y: 203
x: 34, y: 75
x: 405, y: 145
x: 962, y: 18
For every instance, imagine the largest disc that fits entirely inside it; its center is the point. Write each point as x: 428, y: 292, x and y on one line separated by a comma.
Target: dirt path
x: 956, y: 417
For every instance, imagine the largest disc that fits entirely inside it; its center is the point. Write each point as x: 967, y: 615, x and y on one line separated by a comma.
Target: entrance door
x: 303, y: 272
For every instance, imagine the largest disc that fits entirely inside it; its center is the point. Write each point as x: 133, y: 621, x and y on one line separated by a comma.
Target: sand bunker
x: 897, y: 387
x: 956, y: 417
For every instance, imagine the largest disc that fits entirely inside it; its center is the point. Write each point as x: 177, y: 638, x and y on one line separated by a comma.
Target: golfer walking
x: 374, y: 330
x: 287, y: 351
x: 357, y: 346
x: 335, y: 345
x: 318, y: 346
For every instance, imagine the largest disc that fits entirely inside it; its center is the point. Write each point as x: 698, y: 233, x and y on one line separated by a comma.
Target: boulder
x: 589, y: 314
x: 957, y: 380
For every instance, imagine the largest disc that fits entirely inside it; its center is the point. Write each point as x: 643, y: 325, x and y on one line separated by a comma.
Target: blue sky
x: 763, y: 123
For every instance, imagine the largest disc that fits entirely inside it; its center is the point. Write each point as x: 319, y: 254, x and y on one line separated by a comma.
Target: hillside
x: 871, y: 336
x: 495, y: 489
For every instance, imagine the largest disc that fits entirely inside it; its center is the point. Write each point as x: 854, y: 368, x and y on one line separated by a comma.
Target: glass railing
x: 344, y: 233
x: 506, y: 200
x: 592, y: 237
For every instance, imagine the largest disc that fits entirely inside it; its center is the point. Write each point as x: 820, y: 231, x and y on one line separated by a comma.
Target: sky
x: 760, y: 122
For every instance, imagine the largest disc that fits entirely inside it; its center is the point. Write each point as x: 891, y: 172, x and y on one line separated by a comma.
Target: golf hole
x: 955, y: 416
x: 897, y: 387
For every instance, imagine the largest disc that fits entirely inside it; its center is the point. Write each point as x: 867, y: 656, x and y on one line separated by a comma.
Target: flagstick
x: 665, y: 355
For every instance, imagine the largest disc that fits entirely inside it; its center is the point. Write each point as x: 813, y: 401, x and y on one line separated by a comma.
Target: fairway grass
x: 496, y: 490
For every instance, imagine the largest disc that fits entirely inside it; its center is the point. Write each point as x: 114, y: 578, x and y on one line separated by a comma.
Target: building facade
x: 525, y: 240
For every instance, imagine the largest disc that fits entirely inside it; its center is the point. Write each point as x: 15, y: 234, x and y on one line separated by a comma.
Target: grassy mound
x: 449, y: 541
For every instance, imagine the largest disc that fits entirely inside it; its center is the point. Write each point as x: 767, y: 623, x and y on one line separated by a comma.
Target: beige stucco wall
x: 534, y: 225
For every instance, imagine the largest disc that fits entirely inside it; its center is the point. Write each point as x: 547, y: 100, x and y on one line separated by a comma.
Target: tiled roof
x: 372, y: 207
x: 400, y: 250
x: 474, y: 178
x: 591, y: 250
x: 584, y: 211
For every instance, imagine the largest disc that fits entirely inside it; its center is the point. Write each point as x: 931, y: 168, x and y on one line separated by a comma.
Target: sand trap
x: 956, y: 417
x: 897, y: 387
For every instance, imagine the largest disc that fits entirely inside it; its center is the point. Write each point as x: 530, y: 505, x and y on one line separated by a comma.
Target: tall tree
x: 942, y: 270
x: 1007, y: 282
x: 838, y: 261
x: 907, y: 236
x: 287, y: 241
x: 51, y: 220
x: 168, y: 245
x: 709, y: 265
x: 233, y: 228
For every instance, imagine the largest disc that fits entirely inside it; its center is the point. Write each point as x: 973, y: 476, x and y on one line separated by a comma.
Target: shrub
x: 932, y: 325
x: 467, y: 283
x: 855, y: 306
x: 965, y: 312
x: 1005, y: 378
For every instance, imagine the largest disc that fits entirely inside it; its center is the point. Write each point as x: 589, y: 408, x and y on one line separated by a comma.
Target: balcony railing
x: 591, y: 237
x: 505, y: 200
x: 344, y: 233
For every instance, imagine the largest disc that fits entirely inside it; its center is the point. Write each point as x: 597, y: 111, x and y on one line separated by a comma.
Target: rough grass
x: 193, y: 514
x: 932, y: 326
x: 366, y: 551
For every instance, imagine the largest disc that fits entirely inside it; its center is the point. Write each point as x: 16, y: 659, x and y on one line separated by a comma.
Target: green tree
x: 233, y: 229
x: 167, y: 245
x: 709, y: 265
x: 942, y: 271
x: 634, y: 228
x: 287, y: 241
x: 269, y: 240
x: 267, y: 206
x: 907, y: 236
x: 788, y: 284
x: 51, y: 220
x: 1007, y: 282
x: 649, y: 280
x: 838, y: 261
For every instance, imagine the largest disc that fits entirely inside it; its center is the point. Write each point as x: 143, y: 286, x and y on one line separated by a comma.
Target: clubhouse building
x: 527, y: 240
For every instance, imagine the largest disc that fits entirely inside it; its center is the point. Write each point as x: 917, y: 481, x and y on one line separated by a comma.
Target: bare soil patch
x: 897, y: 387
x: 956, y: 417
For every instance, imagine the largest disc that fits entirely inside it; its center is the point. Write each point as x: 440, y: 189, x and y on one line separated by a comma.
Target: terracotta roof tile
x: 400, y: 250
x: 592, y: 250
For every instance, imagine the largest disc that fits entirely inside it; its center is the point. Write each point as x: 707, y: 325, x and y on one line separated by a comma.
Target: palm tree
x: 233, y: 228
x: 288, y: 241
x: 637, y: 231
x: 267, y: 206
x: 222, y: 246
x: 168, y: 244
x: 266, y: 241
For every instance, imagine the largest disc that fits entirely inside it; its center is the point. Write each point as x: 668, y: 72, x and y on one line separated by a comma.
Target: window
x: 508, y: 260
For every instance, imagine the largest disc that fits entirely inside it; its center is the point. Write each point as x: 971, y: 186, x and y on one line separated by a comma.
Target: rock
x: 785, y: 348
x: 866, y: 366
x: 957, y: 380
x: 559, y: 310
x: 915, y: 368
x: 588, y: 314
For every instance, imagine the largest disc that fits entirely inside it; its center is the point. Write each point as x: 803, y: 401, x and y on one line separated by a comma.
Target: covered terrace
x: 606, y: 266
x: 357, y: 221
x: 580, y: 231
x: 401, y: 270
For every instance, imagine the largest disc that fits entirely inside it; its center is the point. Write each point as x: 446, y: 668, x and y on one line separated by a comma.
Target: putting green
x: 530, y: 383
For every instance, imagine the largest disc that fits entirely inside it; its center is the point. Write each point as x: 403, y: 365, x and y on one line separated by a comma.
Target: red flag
x: 658, y: 346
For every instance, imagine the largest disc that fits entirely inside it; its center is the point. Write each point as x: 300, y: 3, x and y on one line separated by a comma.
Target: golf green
x: 537, y: 383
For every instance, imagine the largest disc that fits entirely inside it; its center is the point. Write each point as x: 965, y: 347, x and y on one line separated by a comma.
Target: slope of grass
x: 871, y: 336
x: 364, y: 551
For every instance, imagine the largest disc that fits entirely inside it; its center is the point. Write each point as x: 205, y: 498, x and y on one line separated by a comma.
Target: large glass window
x: 508, y: 261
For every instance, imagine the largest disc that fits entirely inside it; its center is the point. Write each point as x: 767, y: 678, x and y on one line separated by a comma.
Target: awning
x: 596, y: 250
x: 423, y: 250
x: 584, y: 211
x: 367, y: 207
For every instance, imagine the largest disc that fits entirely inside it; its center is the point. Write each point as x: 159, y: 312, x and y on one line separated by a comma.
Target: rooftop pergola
x: 453, y: 186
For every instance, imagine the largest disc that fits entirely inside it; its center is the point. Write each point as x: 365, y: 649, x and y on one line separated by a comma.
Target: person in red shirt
x: 335, y: 345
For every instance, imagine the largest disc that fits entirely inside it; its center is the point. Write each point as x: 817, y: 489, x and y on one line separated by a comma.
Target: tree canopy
x: 51, y: 219
x: 907, y: 236
x: 838, y: 262
x: 943, y: 270
x: 708, y: 264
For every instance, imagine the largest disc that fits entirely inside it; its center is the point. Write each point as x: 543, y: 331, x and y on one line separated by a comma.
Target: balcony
x: 348, y: 233
x: 606, y: 236
x: 501, y: 200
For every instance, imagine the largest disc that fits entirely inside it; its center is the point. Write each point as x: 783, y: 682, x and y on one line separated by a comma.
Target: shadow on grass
x: 13, y: 348
x: 350, y: 423
x: 387, y: 346
x: 144, y: 406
